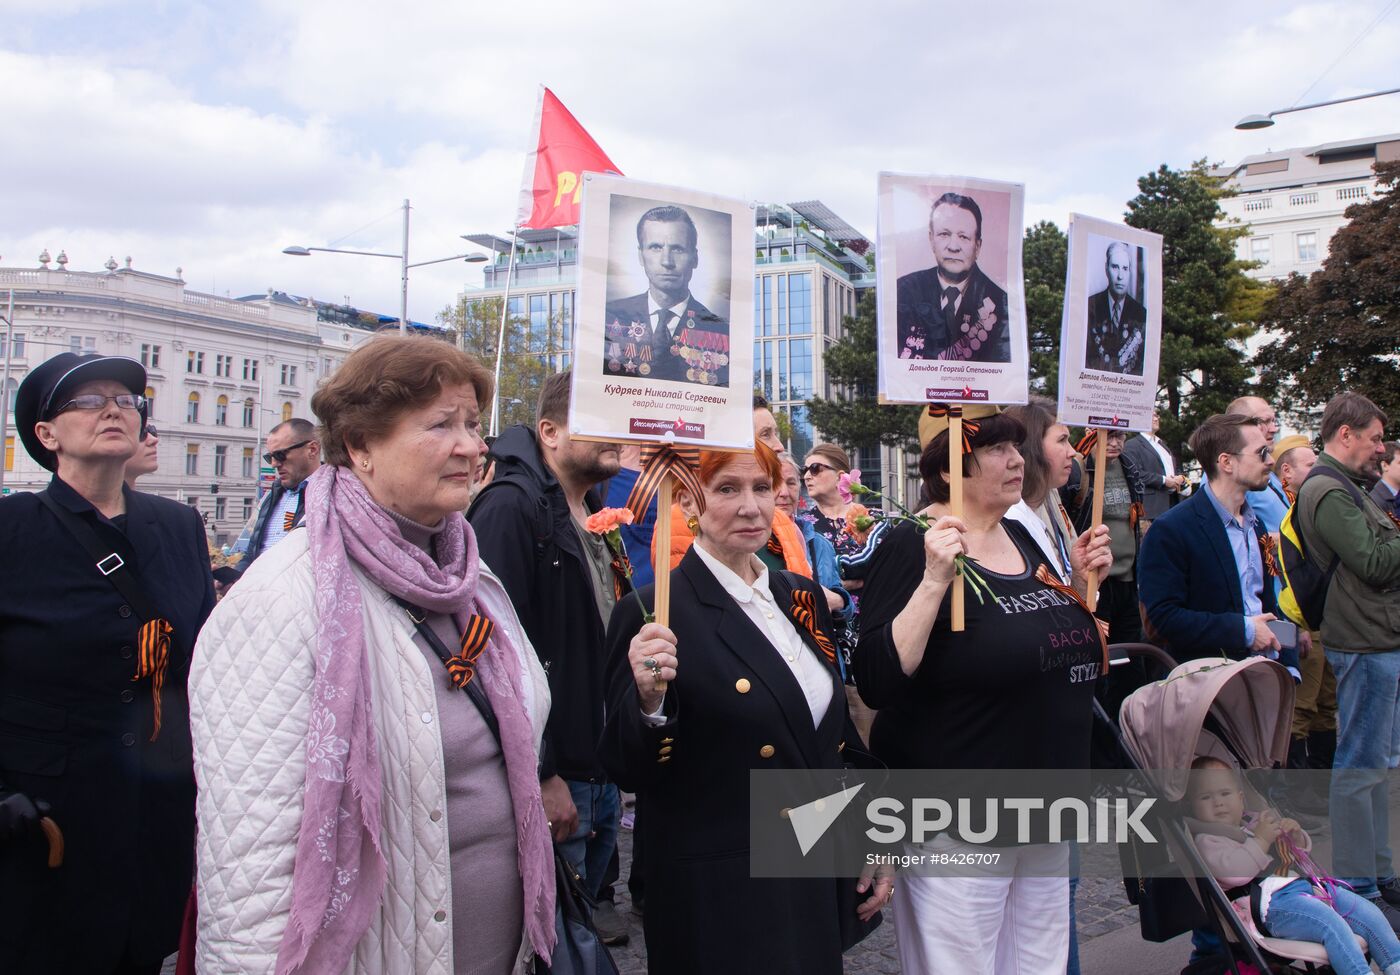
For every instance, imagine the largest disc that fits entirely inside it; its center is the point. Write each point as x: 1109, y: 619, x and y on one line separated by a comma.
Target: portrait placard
x: 951, y: 305
x: 1111, y: 331
x: 663, y: 341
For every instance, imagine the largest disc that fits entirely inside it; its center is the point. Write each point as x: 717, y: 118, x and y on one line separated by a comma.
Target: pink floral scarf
x: 339, y: 873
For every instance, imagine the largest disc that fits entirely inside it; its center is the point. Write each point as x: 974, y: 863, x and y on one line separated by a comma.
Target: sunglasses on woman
x: 814, y: 469
x: 96, y: 401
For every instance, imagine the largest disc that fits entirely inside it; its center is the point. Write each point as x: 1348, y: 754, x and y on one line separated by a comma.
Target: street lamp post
x: 1264, y: 121
x: 476, y: 257
x: 5, y: 386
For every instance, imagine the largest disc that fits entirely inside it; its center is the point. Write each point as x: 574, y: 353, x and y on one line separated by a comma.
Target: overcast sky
x: 211, y: 135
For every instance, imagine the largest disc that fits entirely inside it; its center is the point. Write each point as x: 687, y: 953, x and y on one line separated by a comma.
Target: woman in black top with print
x: 1013, y: 690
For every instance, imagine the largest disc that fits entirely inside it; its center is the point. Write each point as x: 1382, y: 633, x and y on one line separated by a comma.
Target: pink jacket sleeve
x: 1232, y: 864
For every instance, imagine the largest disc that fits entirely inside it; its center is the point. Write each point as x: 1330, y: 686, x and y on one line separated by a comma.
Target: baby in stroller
x: 1268, y: 855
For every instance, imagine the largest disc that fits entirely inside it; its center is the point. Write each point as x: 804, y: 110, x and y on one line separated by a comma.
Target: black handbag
x: 578, y: 950
x: 1167, y: 906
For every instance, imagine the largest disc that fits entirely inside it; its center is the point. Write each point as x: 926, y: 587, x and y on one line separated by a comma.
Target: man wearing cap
x: 105, y: 591
x: 295, y: 454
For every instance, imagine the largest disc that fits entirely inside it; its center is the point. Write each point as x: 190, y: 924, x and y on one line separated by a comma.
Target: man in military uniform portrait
x: 953, y: 310
x: 1117, y: 334
x: 665, y: 332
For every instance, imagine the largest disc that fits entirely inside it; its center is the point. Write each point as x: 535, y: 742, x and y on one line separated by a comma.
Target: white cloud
x: 211, y: 136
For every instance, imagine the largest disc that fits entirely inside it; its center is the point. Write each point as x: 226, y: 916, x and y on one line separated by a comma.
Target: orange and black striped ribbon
x: 1087, y: 442
x: 287, y: 519
x: 622, y: 571
x: 1268, y: 552
x: 969, y: 427
x: 152, y: 658
x: 776, y: 547
x: 462, y: 668
x: 1045, y: 575
x: 804, y: 612
x: 1136, y: 512
x: 659, y: 460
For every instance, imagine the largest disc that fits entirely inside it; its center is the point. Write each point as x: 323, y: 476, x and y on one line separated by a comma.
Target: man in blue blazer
x: 1205, y: 565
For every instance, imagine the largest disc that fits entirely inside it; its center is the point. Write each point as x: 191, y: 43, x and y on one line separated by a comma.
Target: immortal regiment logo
x: 823, y: 823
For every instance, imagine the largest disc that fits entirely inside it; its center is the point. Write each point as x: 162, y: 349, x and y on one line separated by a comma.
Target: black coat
x: 709, y: 333
x: 919, y: 315
x: 1156, y: 499
x: 270, y: 501
x: 1119, y: 350
x: 526, y: 535
x: 75, y: 730
x: 705, y: 914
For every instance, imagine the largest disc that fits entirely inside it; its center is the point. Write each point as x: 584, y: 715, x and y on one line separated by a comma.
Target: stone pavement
x: 1101, y: 908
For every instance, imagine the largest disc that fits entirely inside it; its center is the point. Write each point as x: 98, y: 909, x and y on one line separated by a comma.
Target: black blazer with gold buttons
x: 734, y: 706
x: 75, y: 731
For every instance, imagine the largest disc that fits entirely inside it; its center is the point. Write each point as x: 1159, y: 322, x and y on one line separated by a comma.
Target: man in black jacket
x: 295, y: 454
x: 1161, y: 483
x: 529, y: 524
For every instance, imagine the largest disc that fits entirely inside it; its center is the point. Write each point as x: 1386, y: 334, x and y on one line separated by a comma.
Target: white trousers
x: 1011, y: 918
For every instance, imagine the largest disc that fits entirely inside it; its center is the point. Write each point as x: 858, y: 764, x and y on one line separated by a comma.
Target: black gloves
x: 20, y: 815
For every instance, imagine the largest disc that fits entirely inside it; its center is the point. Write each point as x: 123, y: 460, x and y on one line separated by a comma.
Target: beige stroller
x: 1239, y: 712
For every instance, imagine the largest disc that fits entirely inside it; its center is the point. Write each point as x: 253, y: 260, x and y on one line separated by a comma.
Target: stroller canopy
x: 1251, y: 702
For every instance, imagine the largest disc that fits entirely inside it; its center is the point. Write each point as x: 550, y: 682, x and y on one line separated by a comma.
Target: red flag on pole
x: 553, y: 182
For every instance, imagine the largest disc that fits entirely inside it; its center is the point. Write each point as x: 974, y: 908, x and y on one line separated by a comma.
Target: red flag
x: 553, y: 182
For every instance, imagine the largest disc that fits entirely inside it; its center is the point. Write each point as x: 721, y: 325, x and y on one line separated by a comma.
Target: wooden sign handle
x: 661, y: 553
x: 1100, y: 462
x: 955, y: 505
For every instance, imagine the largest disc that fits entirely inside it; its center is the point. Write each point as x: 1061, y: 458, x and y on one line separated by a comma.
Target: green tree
x: 1340, y: 329
x: 853, y: 417
x: 1043, y: 256
x: 1208, y: 302
x: 477, y: 323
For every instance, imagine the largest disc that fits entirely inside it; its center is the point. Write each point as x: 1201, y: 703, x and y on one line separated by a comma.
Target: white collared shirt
x: 1167, y: 464
x: 772, y: 620
x: 677, y: 313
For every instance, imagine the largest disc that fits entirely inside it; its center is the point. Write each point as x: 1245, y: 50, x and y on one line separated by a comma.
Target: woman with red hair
x: 751, y: 682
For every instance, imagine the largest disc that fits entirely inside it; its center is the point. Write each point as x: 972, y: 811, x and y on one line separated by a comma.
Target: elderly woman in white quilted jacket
x: 357, y: 810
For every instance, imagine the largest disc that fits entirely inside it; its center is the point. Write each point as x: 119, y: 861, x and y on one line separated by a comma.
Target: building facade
x: 1294, y: 200
x: 221, y: 372
x: 810, y: 268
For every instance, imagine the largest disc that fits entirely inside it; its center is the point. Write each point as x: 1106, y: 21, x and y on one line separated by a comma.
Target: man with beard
x: 1205, y: 582
x: 952, y: 310
x: 665, y: 332
x: 529, y: 525
x: 1117, y: 320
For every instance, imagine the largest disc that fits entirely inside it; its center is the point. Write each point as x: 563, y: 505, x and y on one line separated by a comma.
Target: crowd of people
x: 434, y: 676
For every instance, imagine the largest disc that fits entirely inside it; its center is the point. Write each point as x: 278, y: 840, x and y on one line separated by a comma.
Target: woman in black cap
x: 105, y: 589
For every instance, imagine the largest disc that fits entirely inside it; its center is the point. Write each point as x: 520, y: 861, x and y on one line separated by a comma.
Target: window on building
x: 248, y: 412
x: 539, y: 324
x: 194, y: 362
x: 767, y: 319
x: 19, y: 345
x: 286, y: 412
x: 221, y: 412
x: 247, y: 463
x: 150, y: 356
x: 221, y: 461
x: 1261, y: 249
x: 220, y: 508
x: 9, y: 453
x: 250, y: 370
x: 289, y: 374
x: 781, y: 322
x: 800, y: 369
x: 150, y: 403
x: 1307, y: 246
x: 326, y: 366
x: 78, y: 344
x: 192, y: 459
x: 247, y: 508
x: 799, y: 304
x: 801, y: 431
x: 223, y: 366
x: 192, y: 410
x: 11, y: 391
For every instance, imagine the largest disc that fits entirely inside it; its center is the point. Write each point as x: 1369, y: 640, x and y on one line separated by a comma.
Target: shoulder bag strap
x: 107, y: 561
x: 473, y: 688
